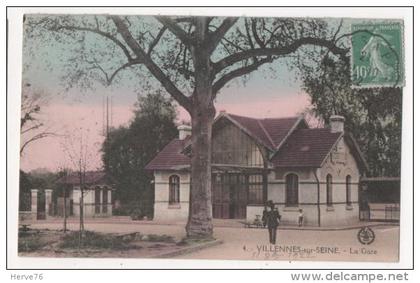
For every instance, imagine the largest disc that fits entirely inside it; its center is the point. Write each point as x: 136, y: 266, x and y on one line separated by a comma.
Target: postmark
x: 366, y: 236
x: 377, y: 54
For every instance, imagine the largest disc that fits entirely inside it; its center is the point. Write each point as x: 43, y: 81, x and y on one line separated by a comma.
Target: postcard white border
x: 14, y: 75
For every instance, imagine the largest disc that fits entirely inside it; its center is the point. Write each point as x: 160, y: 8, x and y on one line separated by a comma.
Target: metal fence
x: 389, y: 212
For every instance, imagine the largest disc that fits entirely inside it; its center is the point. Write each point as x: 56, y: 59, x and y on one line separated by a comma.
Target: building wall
x: 339, y: 164
x: 230, y: 145
x: 89, y: 204
x: 276, y: 192
x: 163, y: 211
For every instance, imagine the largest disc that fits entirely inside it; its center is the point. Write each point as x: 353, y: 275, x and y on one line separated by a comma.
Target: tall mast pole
x: 107, y: 117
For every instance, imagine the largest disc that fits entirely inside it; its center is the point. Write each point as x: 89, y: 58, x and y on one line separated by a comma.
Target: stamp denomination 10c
x: 377, y: 54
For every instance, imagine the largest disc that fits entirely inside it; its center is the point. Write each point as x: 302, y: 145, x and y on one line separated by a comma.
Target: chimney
x: 337, y: 124
x: 184, y: 131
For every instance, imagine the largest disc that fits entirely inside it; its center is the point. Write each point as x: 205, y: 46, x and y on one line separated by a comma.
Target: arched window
x: 329, y: 190
x: 292, y: 190
x: 173, y: 189
x: 348, y: 190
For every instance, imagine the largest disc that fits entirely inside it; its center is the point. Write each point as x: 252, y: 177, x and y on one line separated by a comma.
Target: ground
x: 252, y: 243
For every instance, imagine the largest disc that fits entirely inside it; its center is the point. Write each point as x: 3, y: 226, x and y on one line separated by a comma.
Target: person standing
x: 300, y: 220
x: 264, y: 216
x: 272, y: 219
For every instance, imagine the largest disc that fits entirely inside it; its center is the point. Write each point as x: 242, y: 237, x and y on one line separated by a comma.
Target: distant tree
x: 25, y: 187
x: 373, y: 116
x: 32, y: 127
x: 63, y: 189
x: 127, y: 150
x: 39, y: 179
x: 80, y: 152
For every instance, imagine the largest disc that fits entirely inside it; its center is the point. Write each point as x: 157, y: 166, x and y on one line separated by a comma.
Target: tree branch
x: 126, y: 65
x: 95, y: 65
x: 338, y: 29
x: 237, y: 73
x: 23, y: 131
x: 176, y: 30
x: 248, y: 36
x: 150, y: 65
x: 232, y: 44
x: 156, y: 40
x: 220, y: 32
x: 110, y: 78
x: 272, y: 33
x: 99, y: 32
x: 34, y: 138
x: 259, y: 41
x: 28, y: 116
x: 280, y: 51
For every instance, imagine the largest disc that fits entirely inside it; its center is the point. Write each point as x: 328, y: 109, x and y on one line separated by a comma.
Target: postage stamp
x: 137, y: 141
x: 377, y: 54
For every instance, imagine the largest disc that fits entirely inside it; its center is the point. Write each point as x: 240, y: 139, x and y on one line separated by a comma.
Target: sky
x: 71, y: 113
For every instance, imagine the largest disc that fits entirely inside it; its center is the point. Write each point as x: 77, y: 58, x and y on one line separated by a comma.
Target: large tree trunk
x: 200, y: 216
x: 202, y: 114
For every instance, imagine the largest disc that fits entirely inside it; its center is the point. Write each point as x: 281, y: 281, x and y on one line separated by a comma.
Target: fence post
x: 34, y: 203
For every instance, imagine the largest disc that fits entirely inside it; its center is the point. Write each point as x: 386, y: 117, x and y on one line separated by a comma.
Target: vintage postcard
x: 269, y: 137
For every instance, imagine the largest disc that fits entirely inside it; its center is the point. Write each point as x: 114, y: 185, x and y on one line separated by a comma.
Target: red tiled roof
x: 306, y: 148
x: 270, y: 132
x: 253, y: 126
x: 302, y: 148
x: 278, y: 128
x: 91, y: 178
x: 171, y: 156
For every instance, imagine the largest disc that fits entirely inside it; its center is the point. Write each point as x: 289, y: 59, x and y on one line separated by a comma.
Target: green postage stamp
x: 377, y: 54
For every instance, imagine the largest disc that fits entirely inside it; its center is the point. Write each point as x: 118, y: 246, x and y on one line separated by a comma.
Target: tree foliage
x: 25, y: 187
x: 373, y: 116
x: 127, y: 150
x: 34, y: 180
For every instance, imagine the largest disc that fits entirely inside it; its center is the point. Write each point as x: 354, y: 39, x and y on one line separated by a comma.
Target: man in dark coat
x: 272, y: 218
x: 264, y: 215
